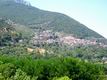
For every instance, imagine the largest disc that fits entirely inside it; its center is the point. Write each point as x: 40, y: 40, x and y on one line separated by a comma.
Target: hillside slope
x: 36, y: 18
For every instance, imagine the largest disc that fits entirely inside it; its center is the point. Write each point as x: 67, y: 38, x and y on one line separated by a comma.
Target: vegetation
x: 22, y: 60
x: 36, y: 19
x: 11, y: 33
x: 8, y: 34
x: 16, y: 63
x: 26, y: 68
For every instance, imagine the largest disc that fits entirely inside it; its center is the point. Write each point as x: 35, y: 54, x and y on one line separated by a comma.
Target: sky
x: 92, y: 13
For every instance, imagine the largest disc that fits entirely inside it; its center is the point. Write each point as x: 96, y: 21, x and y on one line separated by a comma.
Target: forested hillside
x: 36, y: 18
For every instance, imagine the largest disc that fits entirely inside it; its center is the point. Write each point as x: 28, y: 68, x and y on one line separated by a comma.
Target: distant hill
x: 23, y: 13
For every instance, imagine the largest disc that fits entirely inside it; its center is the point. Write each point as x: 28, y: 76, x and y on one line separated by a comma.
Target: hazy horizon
x: 91, y: 13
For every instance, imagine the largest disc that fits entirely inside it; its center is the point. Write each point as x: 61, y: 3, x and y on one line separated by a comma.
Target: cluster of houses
x: 75, y: 41
x: 45, y: 37
x: 49, y: 36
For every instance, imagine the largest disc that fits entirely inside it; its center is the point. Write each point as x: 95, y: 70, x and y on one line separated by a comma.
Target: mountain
x: 23, y: 13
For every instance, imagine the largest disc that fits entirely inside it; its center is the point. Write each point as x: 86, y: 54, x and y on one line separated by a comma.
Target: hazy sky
x: 92, y: 13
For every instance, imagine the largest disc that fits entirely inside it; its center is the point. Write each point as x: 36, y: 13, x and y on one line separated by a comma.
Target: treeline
x: 94, y: 53
x: 26, y: 68
x: 90, y: 53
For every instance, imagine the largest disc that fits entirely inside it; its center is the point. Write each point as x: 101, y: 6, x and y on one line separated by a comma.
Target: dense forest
x: 26, y: 68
